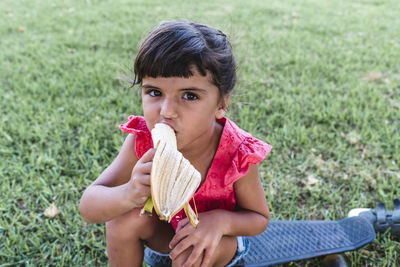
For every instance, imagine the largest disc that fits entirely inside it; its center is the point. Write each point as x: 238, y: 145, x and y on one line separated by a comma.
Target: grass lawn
x: 318, y: 80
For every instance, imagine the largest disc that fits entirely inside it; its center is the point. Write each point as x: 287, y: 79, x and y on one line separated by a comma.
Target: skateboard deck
x: 286, y: 241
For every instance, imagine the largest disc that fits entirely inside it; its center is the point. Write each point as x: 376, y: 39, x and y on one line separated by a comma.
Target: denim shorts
x: 243, y: 246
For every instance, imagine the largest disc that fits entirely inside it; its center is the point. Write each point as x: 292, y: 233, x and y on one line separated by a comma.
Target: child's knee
x: 128, y: 225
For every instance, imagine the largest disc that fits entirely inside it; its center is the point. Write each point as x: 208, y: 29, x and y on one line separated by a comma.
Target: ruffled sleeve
x: 250, y: 151
x: 137, y: 125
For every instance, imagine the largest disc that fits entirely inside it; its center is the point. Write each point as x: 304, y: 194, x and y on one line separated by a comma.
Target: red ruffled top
x: 237, y: 149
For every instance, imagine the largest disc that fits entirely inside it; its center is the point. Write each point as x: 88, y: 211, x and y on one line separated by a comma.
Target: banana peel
x: 148, y: 207
x: 173, y: 179
x: 190, y: 213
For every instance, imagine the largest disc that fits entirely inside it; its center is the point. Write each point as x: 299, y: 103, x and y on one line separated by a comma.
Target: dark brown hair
x: 175, y: 46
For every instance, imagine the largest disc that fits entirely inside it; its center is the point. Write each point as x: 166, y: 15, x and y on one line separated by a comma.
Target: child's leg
x: 222, y: 256
x: 126, y: 234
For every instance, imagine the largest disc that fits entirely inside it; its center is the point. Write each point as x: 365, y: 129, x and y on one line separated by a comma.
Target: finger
x: 143, y: 193
x: 176, y: 239
x: 182, y: 223
x: 146, y: 167
x: 197, y: 252
x: 141, y: 169
x: 143, y: 180
x: 148, y: 156
x: 184, y: 232
x: 207, y: 257
x: 180, y: 247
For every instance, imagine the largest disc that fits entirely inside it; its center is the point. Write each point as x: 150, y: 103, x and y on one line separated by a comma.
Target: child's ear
x: 223, y: 107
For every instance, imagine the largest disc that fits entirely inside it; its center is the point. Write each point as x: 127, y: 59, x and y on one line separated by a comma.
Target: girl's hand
x: 204, y: 239
x: 138, y: 187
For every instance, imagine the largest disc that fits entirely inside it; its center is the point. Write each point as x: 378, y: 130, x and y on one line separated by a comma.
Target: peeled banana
x: 173, y: 179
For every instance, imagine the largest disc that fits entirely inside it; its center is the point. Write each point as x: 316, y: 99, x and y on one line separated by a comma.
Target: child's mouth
x: 171, y: 127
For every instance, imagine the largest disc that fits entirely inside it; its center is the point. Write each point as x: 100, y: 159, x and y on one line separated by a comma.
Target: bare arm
x: 124, y: 185
x: 253, y: 215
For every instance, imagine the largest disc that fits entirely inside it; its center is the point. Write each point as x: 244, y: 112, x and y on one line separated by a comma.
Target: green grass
x: 318, y: 80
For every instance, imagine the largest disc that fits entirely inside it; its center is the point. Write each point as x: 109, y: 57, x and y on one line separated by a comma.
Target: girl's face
x: 189, y: 105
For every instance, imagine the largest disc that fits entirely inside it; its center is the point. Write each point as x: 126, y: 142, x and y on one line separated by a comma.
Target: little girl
x: 186, y: 72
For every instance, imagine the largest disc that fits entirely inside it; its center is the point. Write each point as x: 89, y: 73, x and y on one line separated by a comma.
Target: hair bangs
x: 170, y: 53
x: 179, y: 48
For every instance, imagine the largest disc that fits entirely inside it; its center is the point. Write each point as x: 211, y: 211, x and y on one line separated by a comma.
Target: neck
x: 203, y: 150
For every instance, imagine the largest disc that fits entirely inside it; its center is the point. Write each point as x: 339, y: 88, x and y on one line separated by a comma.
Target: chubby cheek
x: 149, y: 115
x: 195, y: 125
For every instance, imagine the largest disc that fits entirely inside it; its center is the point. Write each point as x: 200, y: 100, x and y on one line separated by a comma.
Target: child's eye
x: 154, y: 93
x: 190, y: 96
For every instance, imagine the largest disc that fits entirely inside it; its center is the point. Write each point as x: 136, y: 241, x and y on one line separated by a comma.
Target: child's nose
x: 168, y: 109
